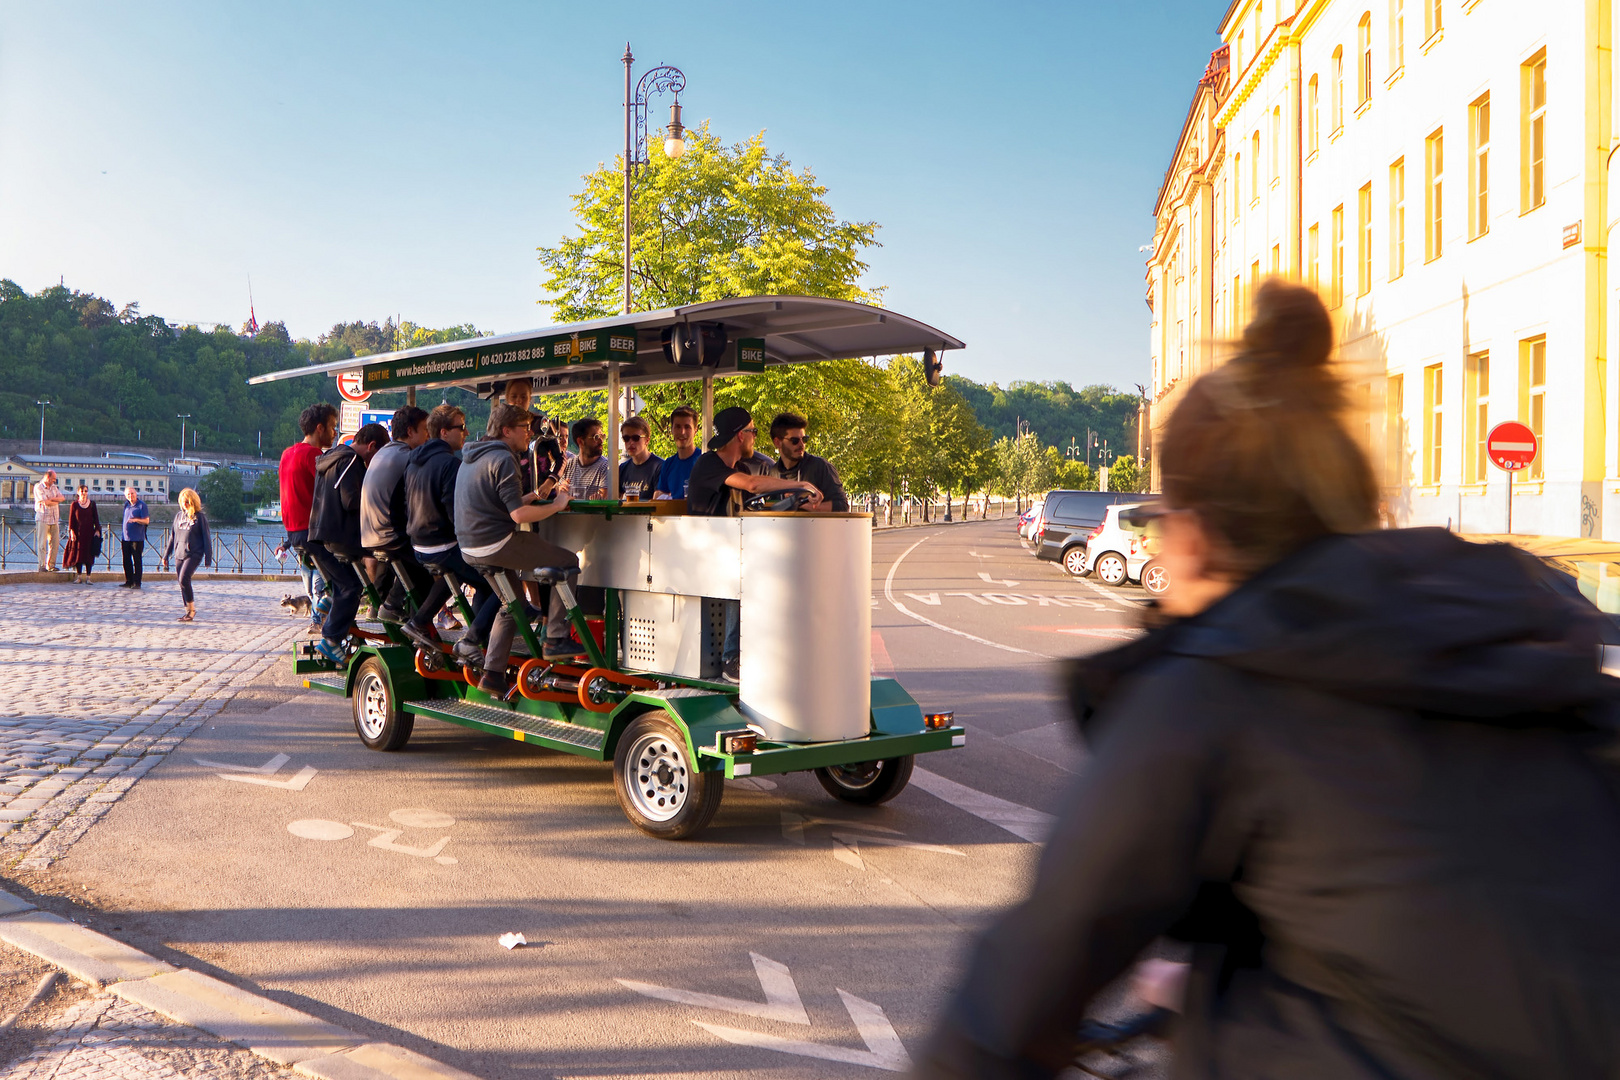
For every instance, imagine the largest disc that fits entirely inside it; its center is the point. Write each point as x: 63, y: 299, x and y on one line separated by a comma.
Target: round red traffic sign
x: 1511, y: 446
x: 352, y: 385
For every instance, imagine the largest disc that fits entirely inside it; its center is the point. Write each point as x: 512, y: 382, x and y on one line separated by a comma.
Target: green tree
x: 221, y: 492
x: 718, y: 221
x: 725, y: 221
x: 1123, y: 475
x: 266, y: 488
x: 1070, y: 474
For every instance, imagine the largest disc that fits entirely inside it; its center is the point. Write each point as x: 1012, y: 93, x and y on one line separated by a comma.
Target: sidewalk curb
x: 266, y: 1027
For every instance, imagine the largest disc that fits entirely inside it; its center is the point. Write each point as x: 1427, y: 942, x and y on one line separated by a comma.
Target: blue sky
x: 361, y: 160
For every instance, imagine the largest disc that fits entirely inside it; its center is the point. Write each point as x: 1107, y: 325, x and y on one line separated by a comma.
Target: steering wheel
x: 776, y: 502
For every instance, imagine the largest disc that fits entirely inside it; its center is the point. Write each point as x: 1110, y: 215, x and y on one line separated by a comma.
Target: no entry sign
x: 351, y: 384
x: 1511, y: 446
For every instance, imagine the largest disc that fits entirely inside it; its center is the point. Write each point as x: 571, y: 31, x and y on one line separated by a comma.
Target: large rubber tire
x: 1156, y: 578
x: 378, y: 719
x: 1074, y: 560
x: 659, y: 787
x: 1110, y: 568
x: 867, y: 783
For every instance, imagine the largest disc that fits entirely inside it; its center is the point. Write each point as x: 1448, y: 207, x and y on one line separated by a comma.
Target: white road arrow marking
x: 894, y: 841
x: 884, y: 1050
x: 781, y: 995
x: 793, y: 826
x: 269, y: 768
x: 986, y: 577
x: 297, y: 783
x: 929, y: 598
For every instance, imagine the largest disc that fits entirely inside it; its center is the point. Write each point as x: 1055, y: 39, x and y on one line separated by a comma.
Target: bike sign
x: 1511, y: 446
x: 352, y: 385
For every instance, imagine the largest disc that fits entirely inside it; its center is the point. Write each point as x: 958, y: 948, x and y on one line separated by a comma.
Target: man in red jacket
x: 297, y: 473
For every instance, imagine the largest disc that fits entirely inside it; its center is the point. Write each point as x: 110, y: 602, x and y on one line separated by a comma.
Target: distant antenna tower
x: 253, y: 319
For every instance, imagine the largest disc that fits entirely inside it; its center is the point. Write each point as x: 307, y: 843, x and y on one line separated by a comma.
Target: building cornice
x: 1244, y: 86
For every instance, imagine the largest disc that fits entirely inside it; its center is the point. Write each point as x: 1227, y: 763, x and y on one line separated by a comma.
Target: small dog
x: 296, y: 605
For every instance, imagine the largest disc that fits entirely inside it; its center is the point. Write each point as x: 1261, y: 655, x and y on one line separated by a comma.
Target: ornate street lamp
x: 662, y: 79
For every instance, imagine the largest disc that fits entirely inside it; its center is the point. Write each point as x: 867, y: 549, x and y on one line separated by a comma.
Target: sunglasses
x: 631, y: 438
x: 796, y: 440
x: 749, y: 431
x: 456, y: 427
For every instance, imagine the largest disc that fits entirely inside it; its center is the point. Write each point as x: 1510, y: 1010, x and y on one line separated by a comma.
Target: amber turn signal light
x: 737, y: 742
x: 936, y: 720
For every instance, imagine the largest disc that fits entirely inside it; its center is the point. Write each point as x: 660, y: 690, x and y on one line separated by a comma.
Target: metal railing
x: 234, y: 553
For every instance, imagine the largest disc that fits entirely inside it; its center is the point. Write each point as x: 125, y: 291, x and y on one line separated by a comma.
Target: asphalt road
x: 799, y: 937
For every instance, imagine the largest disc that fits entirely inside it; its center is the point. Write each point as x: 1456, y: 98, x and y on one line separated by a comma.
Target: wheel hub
x: 373, y: 706
x: 658, y: 777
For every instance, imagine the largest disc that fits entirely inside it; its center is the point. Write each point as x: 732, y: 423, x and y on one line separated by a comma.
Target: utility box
x: 673, y: 635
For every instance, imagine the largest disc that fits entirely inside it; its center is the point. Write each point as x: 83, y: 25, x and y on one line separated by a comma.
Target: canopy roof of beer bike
x: 758, y: 332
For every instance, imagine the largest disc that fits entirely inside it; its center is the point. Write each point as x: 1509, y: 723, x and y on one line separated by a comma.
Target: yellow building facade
x: 1441, y: 172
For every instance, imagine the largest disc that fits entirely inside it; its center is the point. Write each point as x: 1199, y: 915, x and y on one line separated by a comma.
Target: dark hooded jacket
x: 430, y: 494
x: 1375, y: 787
x: 334, y: 512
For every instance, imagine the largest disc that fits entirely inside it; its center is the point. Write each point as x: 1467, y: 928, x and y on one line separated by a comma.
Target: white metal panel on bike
x: 807, y: 626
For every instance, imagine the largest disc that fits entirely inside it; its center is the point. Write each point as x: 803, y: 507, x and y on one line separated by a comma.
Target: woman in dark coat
x: 84, y: 537
x: 190, y: 545
x: 1367, y: 775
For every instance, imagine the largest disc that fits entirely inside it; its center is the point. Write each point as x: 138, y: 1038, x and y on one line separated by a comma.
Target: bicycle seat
x: 550, y: 575
x: 433, y: 569
x: 779, y: 502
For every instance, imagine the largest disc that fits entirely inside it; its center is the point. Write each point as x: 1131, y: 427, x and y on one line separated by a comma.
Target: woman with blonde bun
x: 1365, y: 776
x: 190, y: 545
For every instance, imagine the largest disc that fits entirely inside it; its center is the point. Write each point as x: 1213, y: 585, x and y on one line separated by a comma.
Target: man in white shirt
x: 47, y: 520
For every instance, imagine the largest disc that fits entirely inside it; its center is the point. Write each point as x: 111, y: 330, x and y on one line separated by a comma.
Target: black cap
x: 727, y: 423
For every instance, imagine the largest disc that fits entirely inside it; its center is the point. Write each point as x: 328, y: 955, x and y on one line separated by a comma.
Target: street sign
x: 352, y: 385
x: 1511, y: 446
x: 349, y: 420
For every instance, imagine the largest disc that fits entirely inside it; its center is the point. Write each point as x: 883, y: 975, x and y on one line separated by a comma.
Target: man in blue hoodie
x: 490, y: 504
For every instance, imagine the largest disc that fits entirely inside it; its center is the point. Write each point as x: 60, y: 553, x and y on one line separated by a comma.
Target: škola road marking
x: 888, y: 594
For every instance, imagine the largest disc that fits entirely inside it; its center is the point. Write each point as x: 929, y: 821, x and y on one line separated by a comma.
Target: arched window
x: 1312, y: 108
x: 1364, y: 59
x: 1254, y: 165
x: 1338, y: 88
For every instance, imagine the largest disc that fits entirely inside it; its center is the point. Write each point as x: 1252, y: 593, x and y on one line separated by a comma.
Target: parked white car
x: 1116, y: 554
x: 1028, y: 528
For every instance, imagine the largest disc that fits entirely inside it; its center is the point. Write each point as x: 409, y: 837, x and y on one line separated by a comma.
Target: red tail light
x: 1094, y: 533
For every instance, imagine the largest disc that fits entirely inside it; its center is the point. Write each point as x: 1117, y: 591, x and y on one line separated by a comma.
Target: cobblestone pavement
x: 101, y: 1038
x: 102, y: 683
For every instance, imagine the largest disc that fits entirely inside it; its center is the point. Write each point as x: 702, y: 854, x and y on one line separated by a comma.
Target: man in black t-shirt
x: 795, y: 462
x: 724, y: 469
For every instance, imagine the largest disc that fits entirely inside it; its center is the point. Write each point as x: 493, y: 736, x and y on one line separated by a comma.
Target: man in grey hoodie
x: 489, y: 506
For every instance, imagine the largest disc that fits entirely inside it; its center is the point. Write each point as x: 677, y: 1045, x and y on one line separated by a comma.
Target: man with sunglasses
x: 638, y: 472
x: 795, y: 462
x: 430, y: 499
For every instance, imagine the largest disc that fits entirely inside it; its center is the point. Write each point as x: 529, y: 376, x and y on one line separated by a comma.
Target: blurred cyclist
x: 1362, y: 772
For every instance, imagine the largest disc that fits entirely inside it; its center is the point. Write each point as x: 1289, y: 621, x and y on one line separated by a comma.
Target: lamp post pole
x: 43, y: 405
x: 656, y: 80
x: 182, y: 417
